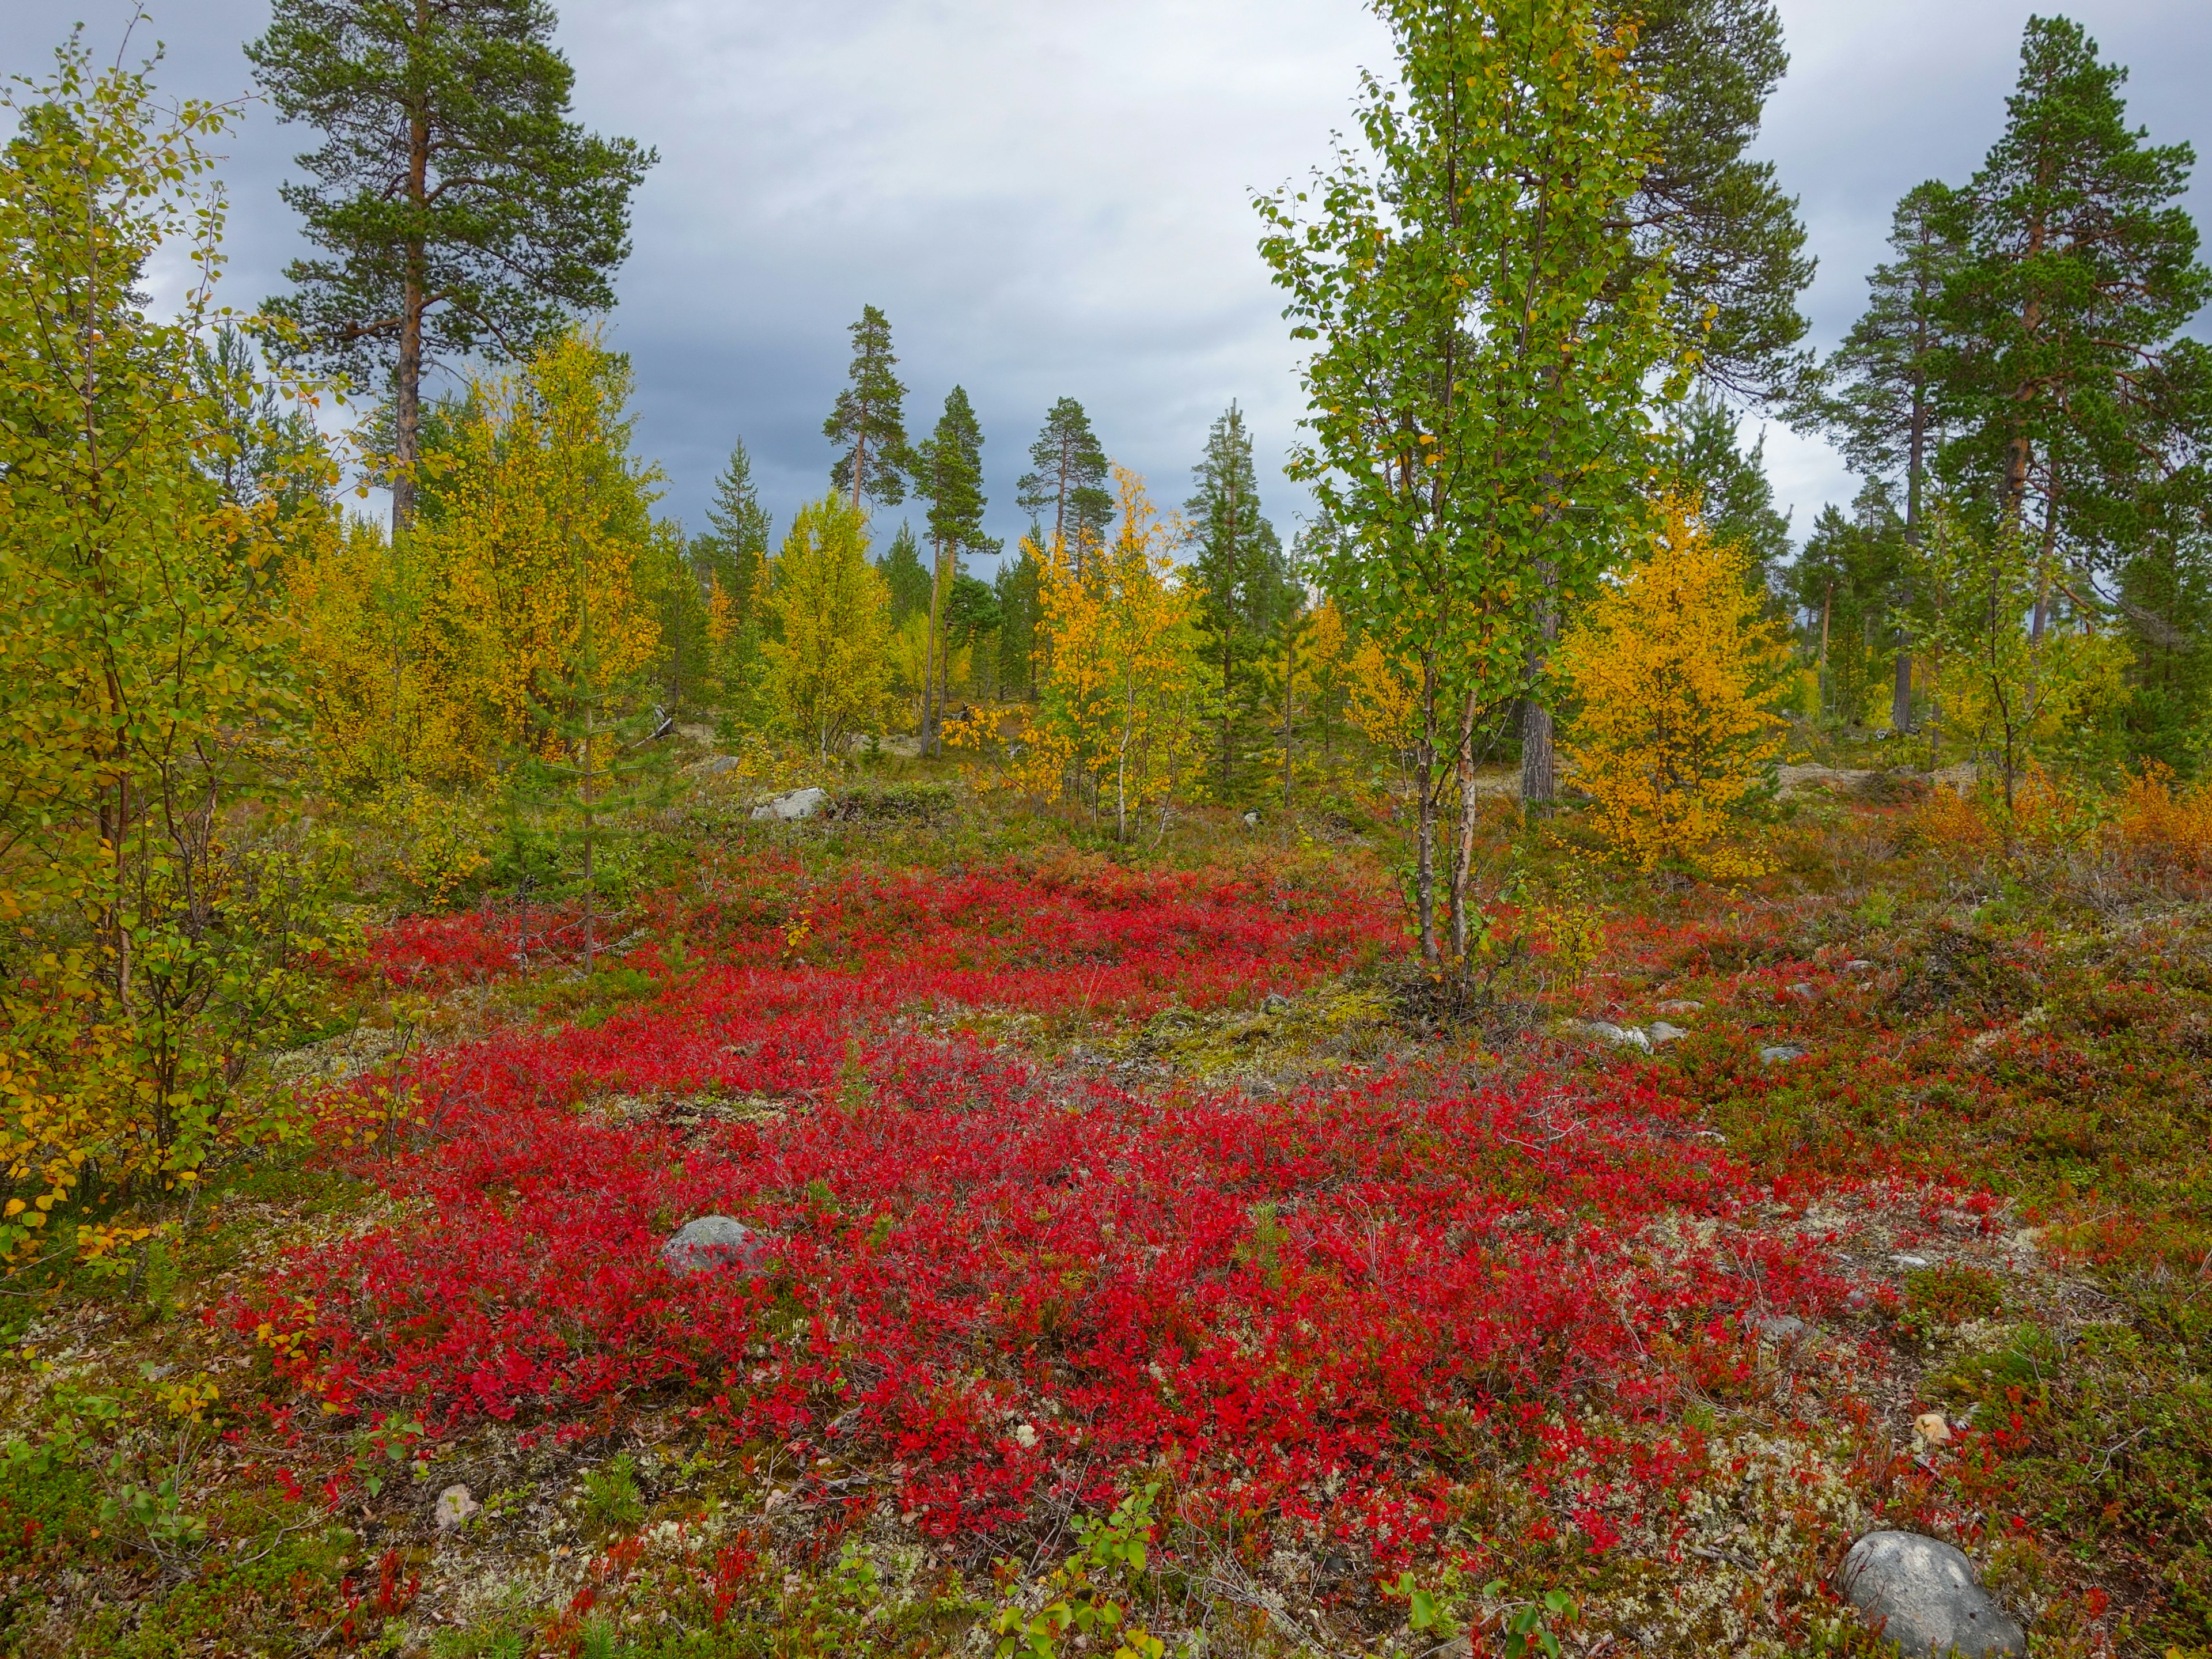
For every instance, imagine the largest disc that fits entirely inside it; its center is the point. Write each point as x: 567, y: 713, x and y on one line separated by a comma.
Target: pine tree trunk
x: 407, y: 382
x: 929, y: 656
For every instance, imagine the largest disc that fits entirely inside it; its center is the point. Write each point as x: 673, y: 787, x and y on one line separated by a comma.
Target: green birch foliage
x: 144, y: 678
x: 1483, y: 332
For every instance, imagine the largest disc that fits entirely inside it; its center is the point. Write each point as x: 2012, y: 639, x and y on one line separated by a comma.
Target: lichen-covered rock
x: 1661, y: 1031
x: 1921, y: 1593
x: 716, y: 1241
x: 798, y: 804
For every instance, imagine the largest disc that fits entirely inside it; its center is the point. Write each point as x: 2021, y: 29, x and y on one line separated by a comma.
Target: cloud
x: 1054, y: 200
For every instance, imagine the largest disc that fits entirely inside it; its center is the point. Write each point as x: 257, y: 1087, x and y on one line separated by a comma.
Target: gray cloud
x: 1054, y: 201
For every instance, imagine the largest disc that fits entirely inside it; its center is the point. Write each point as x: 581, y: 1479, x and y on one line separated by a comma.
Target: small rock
x: 1932, y: 1427
x: 1680, y: 1007
x: 715, y: 1241
x: 714, y: 766
x: 1921, y: 1594
x: 1780, y: 1053
x: 1858, y: 965
x: 1804, y: 992
x: 1910, y: 1260
x: 1780, y: 1327
x: 1252, y: 819
x: 455, y: 1506
x: 1276, y: 1003
x: 1628, y: 1037
x: 798, y: 804
x: 1661, y: 1032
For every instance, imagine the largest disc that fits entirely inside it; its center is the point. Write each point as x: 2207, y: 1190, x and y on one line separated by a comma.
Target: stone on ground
x: 798, y: 804
x: 1921, y: 1593
x: 715, y: 1241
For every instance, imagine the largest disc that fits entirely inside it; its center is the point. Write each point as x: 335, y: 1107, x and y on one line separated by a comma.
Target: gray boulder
x: 1780, y: 1053
x: 1921, y: 1593
x: 716, y: 1241
x: 1628, y: 1036
x: 1662, y: 1032
x: 798, y: 804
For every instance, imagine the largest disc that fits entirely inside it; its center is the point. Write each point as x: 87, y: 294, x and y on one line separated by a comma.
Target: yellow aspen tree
x: 830, y: 664
x: 1672, y: 669
x: 1118, y: 706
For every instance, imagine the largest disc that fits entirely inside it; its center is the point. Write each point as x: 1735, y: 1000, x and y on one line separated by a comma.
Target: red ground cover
x: 998, y: 1281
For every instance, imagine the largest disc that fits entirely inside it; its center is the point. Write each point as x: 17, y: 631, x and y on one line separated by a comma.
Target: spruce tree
x: 1735, y: 499
x: 1239, y: 564
x: 1018, y: 586
x: 904, y: 575
x: 1068, y: 477
x: 459, y: 210
x: 732, y: 554
x: 868, y: 425
x: 949, y: 474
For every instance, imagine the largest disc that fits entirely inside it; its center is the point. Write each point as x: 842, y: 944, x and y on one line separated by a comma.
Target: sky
x: 1055, y: 200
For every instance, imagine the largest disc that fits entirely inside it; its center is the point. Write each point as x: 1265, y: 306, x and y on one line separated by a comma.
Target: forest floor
x: 1097, y: 1204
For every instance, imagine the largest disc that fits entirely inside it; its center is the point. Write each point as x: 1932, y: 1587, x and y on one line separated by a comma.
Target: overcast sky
x: 1052, y: 200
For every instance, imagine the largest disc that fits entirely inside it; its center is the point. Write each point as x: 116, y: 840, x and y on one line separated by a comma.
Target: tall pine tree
x: 1877, y: 396
x: 904, y: 577
x: 461, y: 211
x: 949, y: 474
x: 1068, y: 479
x: 2080, y: 270
x: 868, y: 425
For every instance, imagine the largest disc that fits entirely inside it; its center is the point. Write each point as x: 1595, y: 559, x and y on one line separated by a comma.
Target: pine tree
x: 869, y: 422
x: 2079, y: 270
x: 1729, y: 241
x: 463, y: 212
x: 1878, y: 396
x: 1238, y: 563
x: 904, y: 577
x: 1069, y: 478
x: 949, y: 474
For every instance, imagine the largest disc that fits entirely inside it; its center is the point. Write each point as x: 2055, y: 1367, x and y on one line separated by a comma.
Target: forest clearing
x: 1534, y: 1068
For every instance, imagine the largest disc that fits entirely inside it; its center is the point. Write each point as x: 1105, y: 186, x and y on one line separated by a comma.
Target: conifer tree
x: 948, y: 475
x: 1712, y: 219
x: 904, y: 577
x: 868, y: 425
x: 1068, y: 477
x: 1239, y: 565
x: 733, y: 551
x: 1020, y: 606
x: 1878, y: 396
x: 1736, y: 500
x: 2079, y: 270
x: 459, y: 210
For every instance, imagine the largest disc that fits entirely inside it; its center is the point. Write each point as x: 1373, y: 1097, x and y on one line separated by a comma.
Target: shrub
x: 2160, y: 826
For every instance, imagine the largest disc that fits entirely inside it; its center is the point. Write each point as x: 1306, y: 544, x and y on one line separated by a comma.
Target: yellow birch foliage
x: 829, y: 665
x: 432, y: 658
x: 1671, y: 669
x: 1118, y: 714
